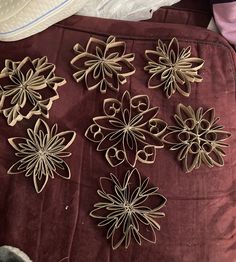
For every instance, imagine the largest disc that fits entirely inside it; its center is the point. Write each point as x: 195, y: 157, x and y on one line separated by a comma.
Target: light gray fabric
x: 8, y: 256
x: 12, y: 254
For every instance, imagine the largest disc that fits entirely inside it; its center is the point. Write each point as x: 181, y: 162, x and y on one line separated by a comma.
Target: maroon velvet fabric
x: 200, y: 211
x: 185, y: 12
x: 200, y: 5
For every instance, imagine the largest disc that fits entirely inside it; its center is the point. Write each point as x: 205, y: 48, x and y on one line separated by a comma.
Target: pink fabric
x: 225, y: 16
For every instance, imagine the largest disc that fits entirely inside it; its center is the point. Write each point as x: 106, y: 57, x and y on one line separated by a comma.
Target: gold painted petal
x: 140, y: 102
x: 133, y: 179
x: 216, y: 157
x: 148, y: 234
x: 115, y: 156
x: 183, y: 150
x: 126, y: 69
x: 149, y: 138
x: 147, y: 155
x: 9, y: 67
x: 209, y: 114
x: 126, y: 108
x: 115, y: 49
x: 170, y: 136
x: 117, y: 240
x: 184, y: 90
x: 186, y: 115
x: 206, y: 159
x: 55, y: 81
x: 100, y: 213
x: 110, y: 141
x: 94, y: 133
x: 15, y: 168
x: 84, y: 60
x: 91, y: 82
x: 111, y: 107
x: 152, y: 56
x: 17, y: 142
x: 153, y: 81
x: 130, y: 148
x: 41, y: 125
x: 12, y: 115
x: 63, y: 170
x: 79, y: 76
x: 144, y: 117
x: 157, y: 127
x: 93, y: 44
x: 68, y: 138
x: 174, y: 45
x: 39, y: 184
x: 107, y: 184
x: 78, y: 48
x: 191, y: 161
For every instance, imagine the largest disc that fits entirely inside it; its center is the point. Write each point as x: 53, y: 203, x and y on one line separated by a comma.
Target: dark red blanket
x: 200, y: 211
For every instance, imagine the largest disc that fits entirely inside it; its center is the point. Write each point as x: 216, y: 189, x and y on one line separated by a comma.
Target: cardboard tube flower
x: 102, y: 64
x: 129, y: 209
x: 173, y: 69
x: 41, y: 154
x: 28, y: 88
x: 197, y: 137
x: 129, y: 130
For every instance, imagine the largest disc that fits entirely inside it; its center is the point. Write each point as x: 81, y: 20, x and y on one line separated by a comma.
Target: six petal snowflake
x: 103, y: 64
x: 177, y: 69
x: 41, y: 153
x: 28, y: 88
x: 129, y: 209
x: 197, y: 137
x: 129, y: 130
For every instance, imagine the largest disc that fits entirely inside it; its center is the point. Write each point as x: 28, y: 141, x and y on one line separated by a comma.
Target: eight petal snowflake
x: 177, y: 68
x: 128, y: 131
x: 103, y: 64
x: 197, y: 137
x: 129, y: 209
x: 41, y: 153
x: 27, y: 88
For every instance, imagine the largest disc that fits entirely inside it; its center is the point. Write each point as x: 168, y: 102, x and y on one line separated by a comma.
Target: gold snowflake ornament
x: 102, y: 64
x: 197, y: 137
x: 129, y: 209
x: 28, y: 88
x: 129, y: 130
x: 173, y: 69
x: 41, y: 154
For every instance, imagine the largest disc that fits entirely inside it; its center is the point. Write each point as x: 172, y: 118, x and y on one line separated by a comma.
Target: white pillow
x: 23, y: 18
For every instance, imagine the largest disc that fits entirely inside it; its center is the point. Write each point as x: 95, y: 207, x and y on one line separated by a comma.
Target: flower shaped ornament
x: 173, y: 69
x: 129, y: 130
x: 28, y: 88
x: 102, y: 64
x: 41, y: 154
x: 197, y: 137
x: 129, y: 209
